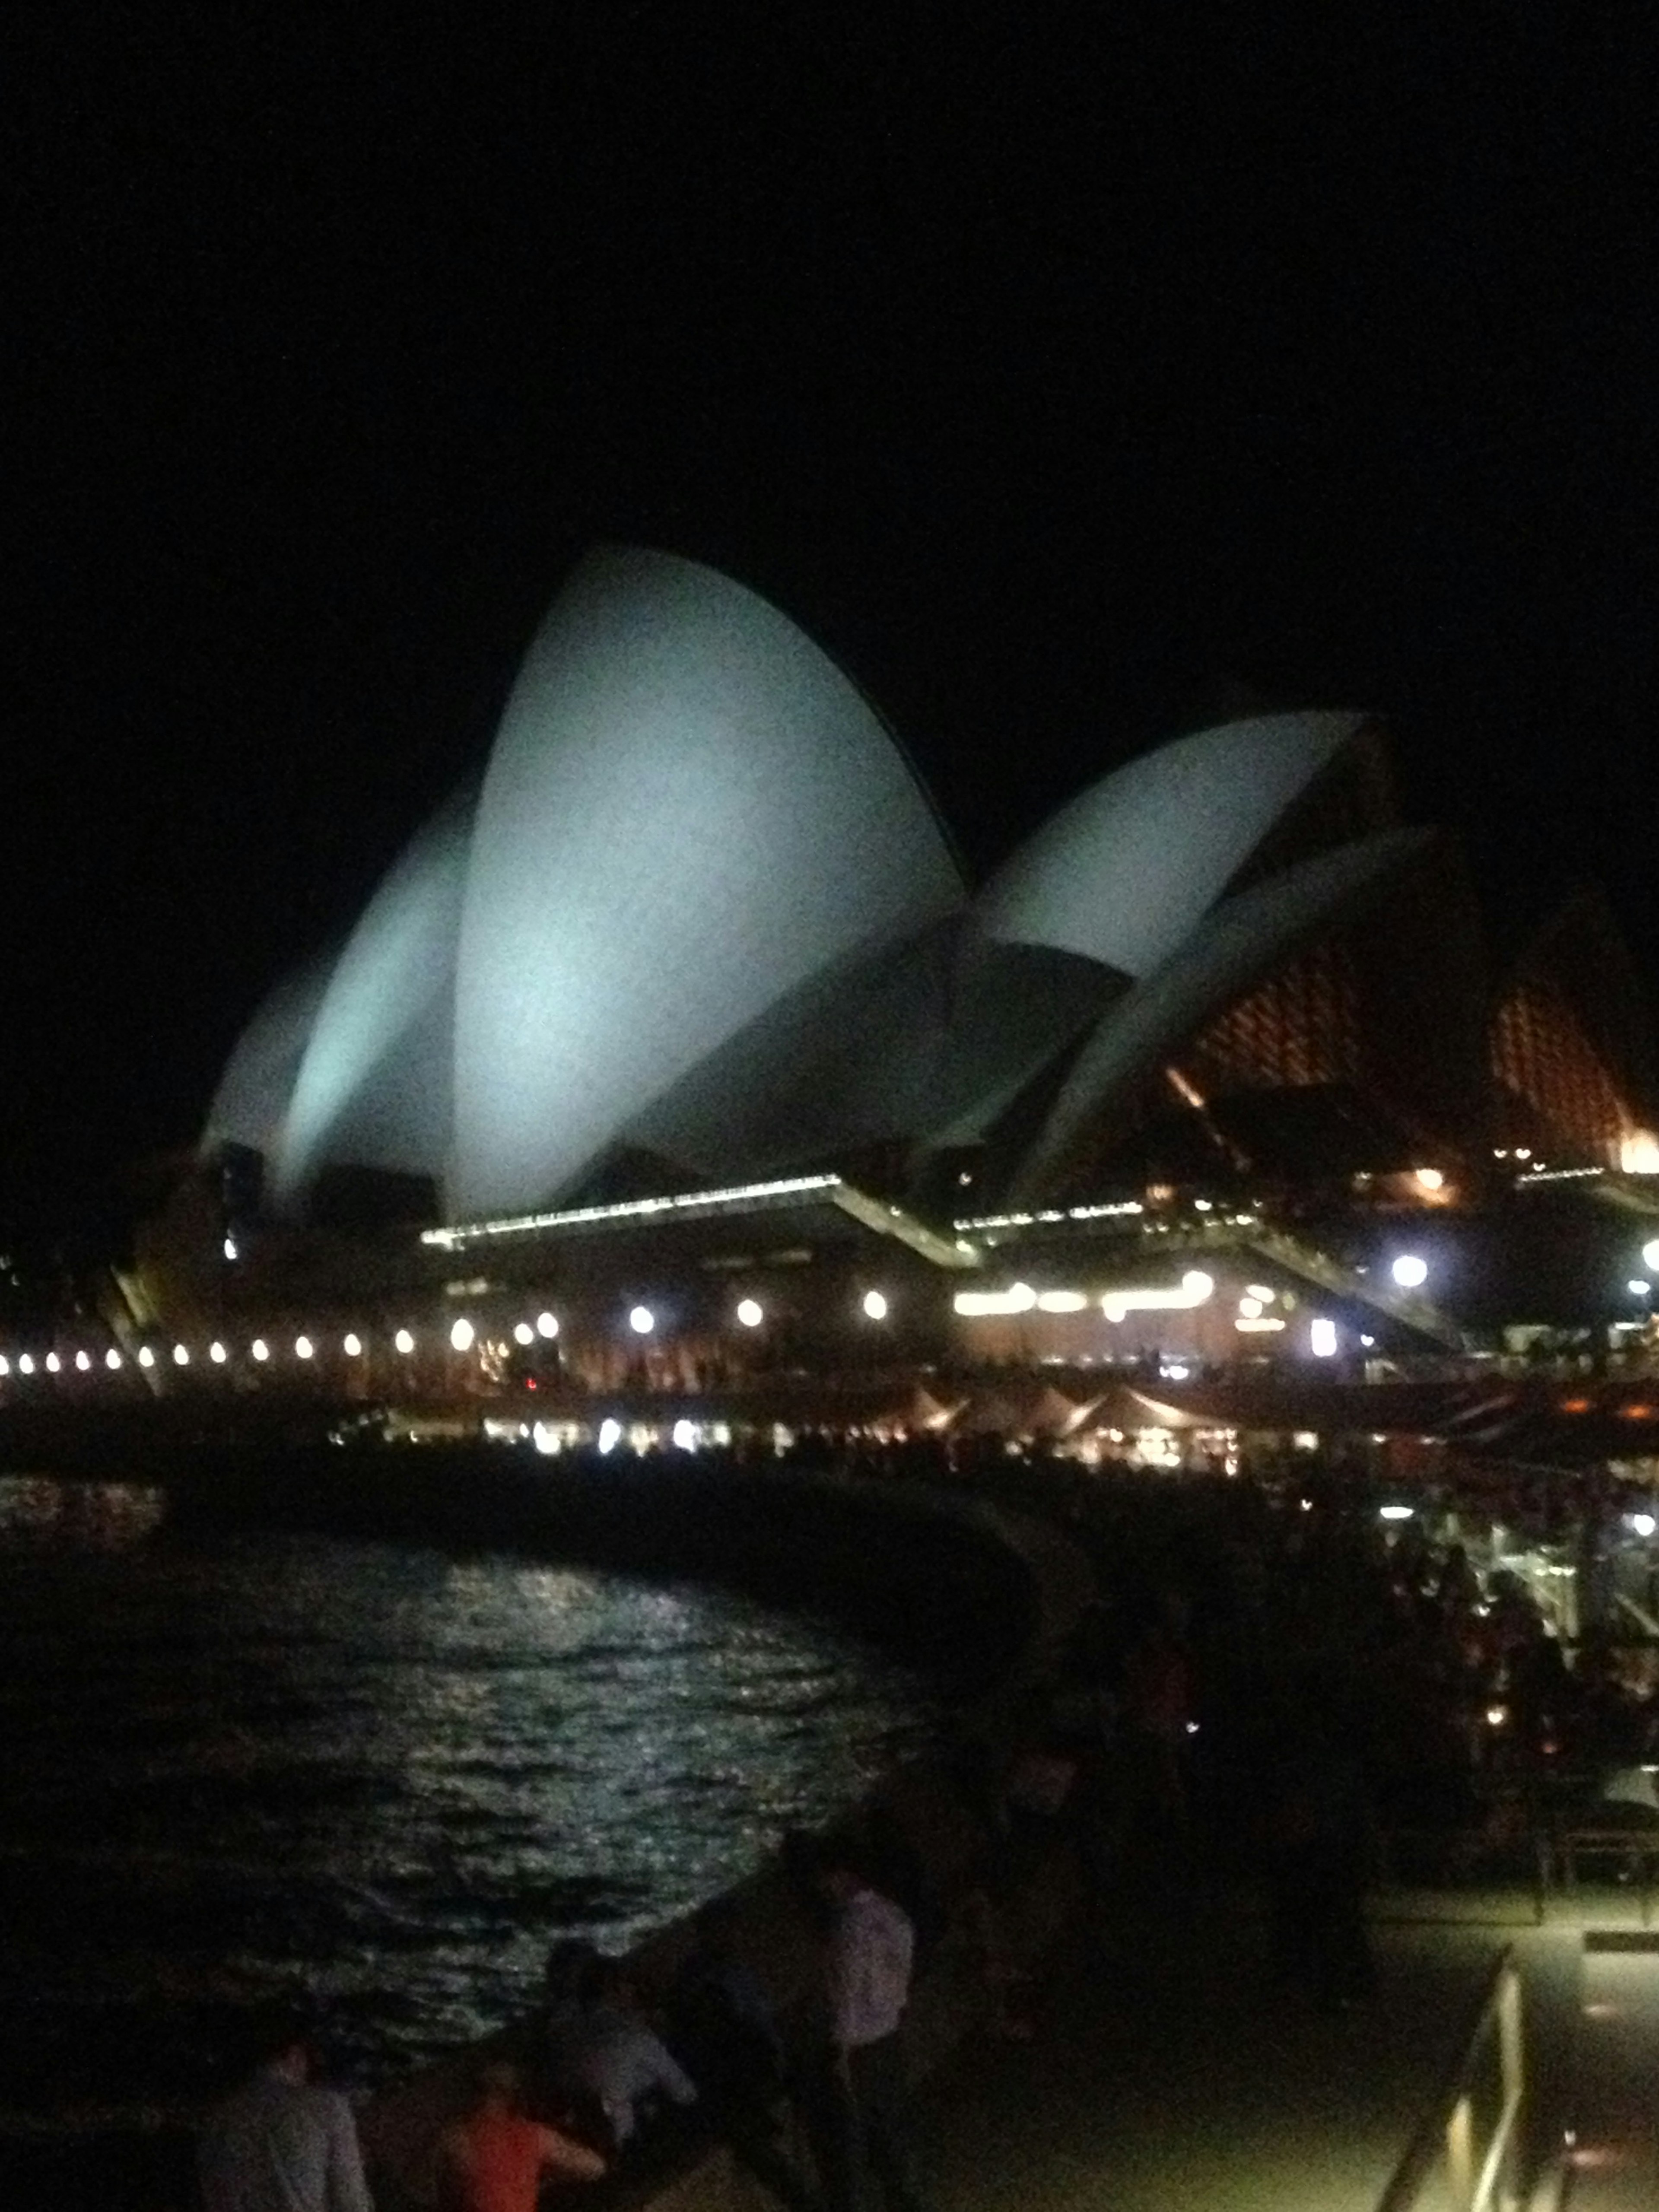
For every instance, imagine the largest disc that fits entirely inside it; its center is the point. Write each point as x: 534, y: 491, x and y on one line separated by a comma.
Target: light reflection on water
x: 233, y: 1760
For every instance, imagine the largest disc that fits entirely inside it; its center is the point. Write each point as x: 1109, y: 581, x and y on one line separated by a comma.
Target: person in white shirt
x: 870, y: 1958
x: 279, y: 2144
x: 618, y: 2059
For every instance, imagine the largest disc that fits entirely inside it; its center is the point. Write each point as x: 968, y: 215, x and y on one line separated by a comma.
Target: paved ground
x: 1168, y: 2076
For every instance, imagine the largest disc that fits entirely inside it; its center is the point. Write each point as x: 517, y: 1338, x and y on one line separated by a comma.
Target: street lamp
x: 1410, y: 1272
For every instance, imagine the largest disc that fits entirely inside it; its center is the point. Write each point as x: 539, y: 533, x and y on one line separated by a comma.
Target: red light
x: 530, y: 1382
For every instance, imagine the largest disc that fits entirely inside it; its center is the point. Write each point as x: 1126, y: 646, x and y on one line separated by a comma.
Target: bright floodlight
x: 523, y: 1333
x: 875, y: 1305
x: 111, y: 1360
x: 405, y: 1342
x: 259, y: 1348
x: 181, y: 1355
x: 217, y: 1354
x: 750, y: 1313
x: 547, y: 1325
x: 1643, y: 1524
x: 83, y: 1360
x: 303, y: 1347
x: 641, y: 1321
x: 462, y: 1333
x: 610, y: 1435
x: 1321, y: 1337
x: 1409, y: 1271
x: 354, y: 1346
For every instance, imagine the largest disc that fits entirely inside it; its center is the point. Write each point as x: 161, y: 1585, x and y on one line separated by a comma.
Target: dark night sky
x: 1052, y: 383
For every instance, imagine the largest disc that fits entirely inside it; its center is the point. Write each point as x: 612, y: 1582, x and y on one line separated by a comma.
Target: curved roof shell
x: 1244, y: 938
x: 1126, y: 870
x: 689, y: 812
x: 250, y: 1106
x: 373, y: 1085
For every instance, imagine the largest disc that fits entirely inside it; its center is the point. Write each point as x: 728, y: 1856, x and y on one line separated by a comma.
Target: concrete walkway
x: 1168, y: 2076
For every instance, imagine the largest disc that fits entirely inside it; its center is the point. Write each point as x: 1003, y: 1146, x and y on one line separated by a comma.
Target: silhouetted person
x: 278, y: 2143
x: 722, y: 2028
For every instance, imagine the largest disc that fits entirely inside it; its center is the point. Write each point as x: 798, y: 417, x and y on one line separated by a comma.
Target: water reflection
x: 36, y: 1508
x: 237, y: 1759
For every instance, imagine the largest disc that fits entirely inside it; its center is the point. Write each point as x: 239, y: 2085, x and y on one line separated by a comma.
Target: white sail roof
x: 689, y: 812
x: 1124, y: 872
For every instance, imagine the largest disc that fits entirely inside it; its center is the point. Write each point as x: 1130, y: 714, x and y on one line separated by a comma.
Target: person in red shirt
x: 493, y: 2158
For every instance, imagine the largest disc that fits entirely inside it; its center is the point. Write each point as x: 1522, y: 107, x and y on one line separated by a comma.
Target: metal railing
x: 1466, y: 2154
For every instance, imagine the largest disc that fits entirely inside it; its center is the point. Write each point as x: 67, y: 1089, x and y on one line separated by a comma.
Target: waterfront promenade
x: 1169, y: 2075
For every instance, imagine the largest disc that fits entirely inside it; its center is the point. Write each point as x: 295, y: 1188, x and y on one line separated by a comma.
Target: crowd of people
x: 1269, y: 1679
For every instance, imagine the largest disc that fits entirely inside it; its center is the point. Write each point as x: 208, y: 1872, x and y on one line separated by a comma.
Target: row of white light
x: 463, y: 1335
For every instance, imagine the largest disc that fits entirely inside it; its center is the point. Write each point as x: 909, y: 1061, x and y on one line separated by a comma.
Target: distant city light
x: 1020, y: 1297
x: 610, y: 1435
x: 750, y: 1312
x: 112, y: 1359
x: 217, y: 1354
x: 230, y: 1247
x: 461, y: 1334
x: 1322, y: 1337
x: 875, y: 1306
x: 547, y: 1325
x: 83, y: 1361
x: 353, y: 1347
x: 303, y: 1347
x: 1409, y: 1271
x: 181, y: 1355
x: 523, y: 1333
x: 1196, y: 1288
x: 259, y: 1348
x: 403, y: 1341
x: 641, y: 1321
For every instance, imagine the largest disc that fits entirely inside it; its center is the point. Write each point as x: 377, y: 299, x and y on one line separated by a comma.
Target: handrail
x: 1445, y: 2142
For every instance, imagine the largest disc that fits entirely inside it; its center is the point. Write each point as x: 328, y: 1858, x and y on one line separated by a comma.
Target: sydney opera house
x: 695, y: 946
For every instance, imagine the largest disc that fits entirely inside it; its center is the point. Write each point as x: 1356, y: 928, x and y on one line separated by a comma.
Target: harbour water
x: 230, y: 1761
